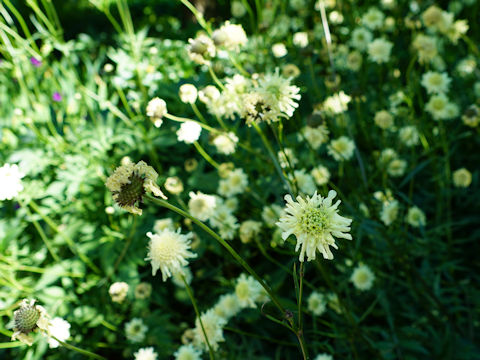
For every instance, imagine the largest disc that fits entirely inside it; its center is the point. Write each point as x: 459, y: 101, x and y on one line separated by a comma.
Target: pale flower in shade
x: 227, y: 306
x: 316, y: 136
x: 285, y: 94
x: 201, y: 206
x: 129, y: 183
x: 379, y: 50
x: 146, y: 354
x: 341, y: 149
x: 317, y: 303
x: 323, y: 357
x: 188, y: 93
x: 60, y: 329
x: 315, y: 222
x: 135, y: 330
x: 362, y: 277
x: 226, y: 143
x: 118, y: 291
x: 201, y: 49
x: 416, y: 217
x: 409, y: 135
x: 213, y: 326
x: 462, y: 178
x: 189, y: 132
x: 248, y: 230
x: 383, y: 119
x: 10, y: 181
x: 437, y: 106
x: 236, y: 182
x: 247, y: 291
x: 321, y: 175
x: 230, y: 36
x: 156, y: 110
x: 187, y: 352
x: 169, y: 251
x: 435, y: 82
x: 389, y: 212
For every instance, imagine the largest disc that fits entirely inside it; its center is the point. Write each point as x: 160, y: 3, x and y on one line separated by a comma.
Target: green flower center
x: 314, y: 220
x: 26, y: 318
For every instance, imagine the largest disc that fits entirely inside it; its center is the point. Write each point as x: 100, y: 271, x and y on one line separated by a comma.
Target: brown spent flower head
x: 130, y: 182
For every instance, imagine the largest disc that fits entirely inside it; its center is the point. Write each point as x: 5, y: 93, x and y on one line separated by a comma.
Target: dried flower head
x: 28, y: 318
x: 130, y: 182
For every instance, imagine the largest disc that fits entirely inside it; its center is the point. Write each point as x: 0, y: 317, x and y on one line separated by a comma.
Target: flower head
x: 201, y: 49
x: 135, y: 330
x: 59, y: 328
x: 317, y: 303
x: 286, y: 95
x: 213, y: 326
x: 379, y: 50
x: 28, y: 318
x: 189, y: 132
x: 130, y: 182
x: 146, y: 354
x: 416, y: 217
x: 247, y: 290
x: 201, y: 206
x: 314, y: 221
x: 362, y: 277
x: 230, y: 36
x: 187, y: 352
x: 10, y: 181
x: 462, y: 178
x: 169, y: 251
x: 341, y: 149
x: 118, y: 291
x: 156, y: 110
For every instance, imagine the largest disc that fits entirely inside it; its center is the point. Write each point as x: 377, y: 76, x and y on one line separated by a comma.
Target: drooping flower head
x: 28, y: 318
x: 130, y: 182
x: 169, y: 251
x: 315, y: 222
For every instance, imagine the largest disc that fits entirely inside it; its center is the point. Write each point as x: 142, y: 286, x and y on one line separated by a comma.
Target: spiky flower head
x: 258, y: 107
x: 247, y: 290
x: 169, y: 251
x: 315, y: 222
x: 28, y: 318
x: 286, y: 95
x: 129, y: 183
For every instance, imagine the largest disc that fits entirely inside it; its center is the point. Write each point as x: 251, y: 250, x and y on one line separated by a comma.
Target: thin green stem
x: 215, y: 78
x: 79, y: 350
x: 197, y: 313
x: 207, y: 157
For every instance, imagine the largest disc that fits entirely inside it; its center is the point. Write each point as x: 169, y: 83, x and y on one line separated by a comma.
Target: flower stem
x: 205, y: 155
x: 215, y: 78
x: 79, y: 350
x: 197, y: 313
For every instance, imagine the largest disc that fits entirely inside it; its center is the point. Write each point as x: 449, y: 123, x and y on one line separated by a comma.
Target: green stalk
x: 79, y: 350
x: 197, y: 313
x: 207, y: 157
x: 215, y: 78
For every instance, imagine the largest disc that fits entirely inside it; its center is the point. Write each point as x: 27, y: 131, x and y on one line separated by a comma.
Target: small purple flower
x: 57, y: 96
x: 35, y: 62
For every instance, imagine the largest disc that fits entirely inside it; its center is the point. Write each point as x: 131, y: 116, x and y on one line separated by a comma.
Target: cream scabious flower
x: 226, y: 143
x: 146, y: 354
x: 317, y: 303
x: 437, y: 106
x: 213, y: 326
x: 321, y: 175
x: 360, y: 38
x: 304, y: 181
x: 201, y: 206
x: 201, y: 49
x: 248, y: 230
x: 341, y: 149
x: 462, y: 178
x: 383, y: 119
x: 227, y: 306
x: 389, y: 212
x: 286, y: 95
x: 435, y: 82
x: 379, y: 50
x: 235, y: 183
x: 129, y: 182
x: 260, y: 106
x: 315, y: 222
x: 415, y: 217
x: 135, y: 330
x: 362, y: 277
x: 169, y: 251
x: 323, y: 357
x: 188, y: 93
x: 156, y: 110
x: 189, y: 132
x: 59, y: 328
x: 187, y: 352
x: 373, y: 18
x: 10, y: 181
x: 230, y: 36
x: 409, y: 136
x: 247, y: 290
x: 28, y: 318
x: 118, y: 291
x: 316, y: 136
